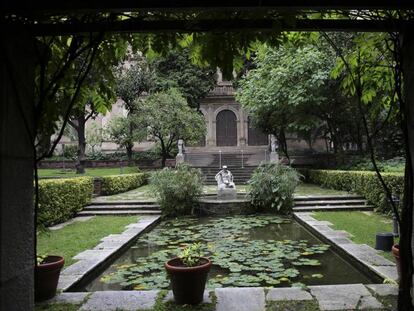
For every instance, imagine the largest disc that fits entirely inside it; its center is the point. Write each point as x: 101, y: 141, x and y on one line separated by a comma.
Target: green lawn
x: 80, y: 236
x: 95, y: 172
x: 312, y: 189
x: 361, y: 225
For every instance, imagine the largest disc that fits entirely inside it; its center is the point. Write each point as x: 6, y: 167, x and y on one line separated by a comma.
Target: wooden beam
x: 53, y: 6
x: 181, y: 26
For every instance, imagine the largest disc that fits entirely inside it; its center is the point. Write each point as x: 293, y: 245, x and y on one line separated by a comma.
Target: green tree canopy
x: 168, y: 118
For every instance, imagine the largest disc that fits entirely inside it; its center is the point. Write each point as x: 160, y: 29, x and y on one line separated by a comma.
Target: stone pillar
x: 210, y: 131
x: 16, y: 171
x: 408, y: 70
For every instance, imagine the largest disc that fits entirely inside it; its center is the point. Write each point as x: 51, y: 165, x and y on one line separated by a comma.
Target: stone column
x: 210, y: 136
x: 16, y: 171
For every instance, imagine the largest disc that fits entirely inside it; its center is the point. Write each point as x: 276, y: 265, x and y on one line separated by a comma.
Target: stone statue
x: 273, y: 143
x: 274, y: 156
x: 224, y: 179
x: 180, y: 156
x: 180, y: 146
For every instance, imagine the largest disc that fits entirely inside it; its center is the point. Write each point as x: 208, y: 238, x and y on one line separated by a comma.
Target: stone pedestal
x: 179, y: 159
x: 227, y: 194
x: 274, y: 157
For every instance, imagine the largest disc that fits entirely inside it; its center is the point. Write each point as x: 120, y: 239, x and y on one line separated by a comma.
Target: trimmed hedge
x: 120, y: 183
x: 60, y: 199
x: 361, y: 182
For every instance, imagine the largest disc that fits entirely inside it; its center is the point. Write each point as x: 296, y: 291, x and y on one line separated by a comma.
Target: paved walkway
x: 331, y: 297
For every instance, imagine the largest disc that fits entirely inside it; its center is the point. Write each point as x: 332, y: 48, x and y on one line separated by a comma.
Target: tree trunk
x: 80, y: 129
x: 129, y: 151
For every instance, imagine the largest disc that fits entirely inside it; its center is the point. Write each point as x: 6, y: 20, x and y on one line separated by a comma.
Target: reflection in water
x: 245, y: 231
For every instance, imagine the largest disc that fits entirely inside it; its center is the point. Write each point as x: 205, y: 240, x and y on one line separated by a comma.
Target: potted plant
x: 188, y: 275
x: 47, y: 273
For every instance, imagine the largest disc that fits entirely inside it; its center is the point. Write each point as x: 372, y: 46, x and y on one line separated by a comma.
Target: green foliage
x: 70, y: 151
x: 167, y: 117
x: 364, y: 164
x: 61, y: 199
x: 120, y: 183
x: 361, y: 182
x: 239, y: 259
x: 190, y: 255
x: 175, y: 69
x: 177, y: 189
x: 125, y: 131
x: 271, y: 187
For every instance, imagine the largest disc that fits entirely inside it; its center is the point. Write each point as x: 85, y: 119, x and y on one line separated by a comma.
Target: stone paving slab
x: 120, y: 300
x: 69, y: 298
x: 94, y: 254
x: 240, y: 299
x: 206, y: 297
x: 343, y: 297
x: 295, y: 294
x: 384, y: 289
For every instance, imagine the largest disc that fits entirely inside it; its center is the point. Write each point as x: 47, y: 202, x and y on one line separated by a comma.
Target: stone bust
x: 224, y: 179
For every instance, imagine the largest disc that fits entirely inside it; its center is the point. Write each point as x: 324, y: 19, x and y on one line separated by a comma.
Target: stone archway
x: 226, y: 128
x: 256, y: 137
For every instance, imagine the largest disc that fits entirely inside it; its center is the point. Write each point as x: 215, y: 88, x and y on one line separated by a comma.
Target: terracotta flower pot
x: 47, y: 277
x: 396, y: 252
x: 188, y: 283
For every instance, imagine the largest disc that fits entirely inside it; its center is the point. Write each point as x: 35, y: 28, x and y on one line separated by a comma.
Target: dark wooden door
x: 256, y: 137
x: 226, y: 128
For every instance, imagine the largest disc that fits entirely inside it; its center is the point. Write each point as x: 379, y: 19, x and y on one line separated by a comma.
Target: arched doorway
x: 226, y: 128
x: 255, y: 137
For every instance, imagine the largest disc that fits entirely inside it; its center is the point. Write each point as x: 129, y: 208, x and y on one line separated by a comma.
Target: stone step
x: 333, y: 208
x: 124, y: 202
x: 328, y: 197
x: 120, y: 212
x: 121, y: 207
x: 329, y: 202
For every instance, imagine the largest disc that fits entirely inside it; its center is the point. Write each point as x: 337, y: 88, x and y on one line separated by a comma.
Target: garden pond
x: 254, y: 250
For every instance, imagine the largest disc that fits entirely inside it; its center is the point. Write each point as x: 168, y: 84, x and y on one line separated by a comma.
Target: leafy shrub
x: 271, y: 187
x: 396, y: 164
x: 120, y: 183
x: 60, y: 199
x: 361, y: 182
x: 177, y: 189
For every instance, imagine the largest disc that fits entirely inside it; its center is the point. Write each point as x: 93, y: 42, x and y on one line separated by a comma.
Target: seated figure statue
x: 224, y: 179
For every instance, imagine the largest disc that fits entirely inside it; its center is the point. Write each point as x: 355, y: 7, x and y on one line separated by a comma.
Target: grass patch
x: 94, y: 172
x: 57, y: 307
x: 80, y: 236
x: 287, y: 305
x: 361, y: 225
x: 312, y: 189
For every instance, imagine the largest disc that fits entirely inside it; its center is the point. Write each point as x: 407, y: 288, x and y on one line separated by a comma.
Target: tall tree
x: 167, y: 117
x: 175, y: 69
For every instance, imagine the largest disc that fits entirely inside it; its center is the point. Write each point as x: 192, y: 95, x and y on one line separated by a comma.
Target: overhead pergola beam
x: 219, y: 26
x: 53, y: 6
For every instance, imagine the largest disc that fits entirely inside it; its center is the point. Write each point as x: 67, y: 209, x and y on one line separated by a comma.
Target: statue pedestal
x: 179, y: 159
x: 226, y: 194
x: 274, y: 157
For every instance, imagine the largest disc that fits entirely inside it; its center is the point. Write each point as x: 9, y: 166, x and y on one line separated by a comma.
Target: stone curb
x: 365, y: 255
x: 103, y: 252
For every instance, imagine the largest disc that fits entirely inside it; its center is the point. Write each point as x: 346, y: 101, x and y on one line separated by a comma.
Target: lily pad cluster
x: 237, y: 259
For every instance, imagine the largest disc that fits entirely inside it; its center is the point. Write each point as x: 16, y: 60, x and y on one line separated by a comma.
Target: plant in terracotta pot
x: 47, y: 273
x: 188, y: 275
